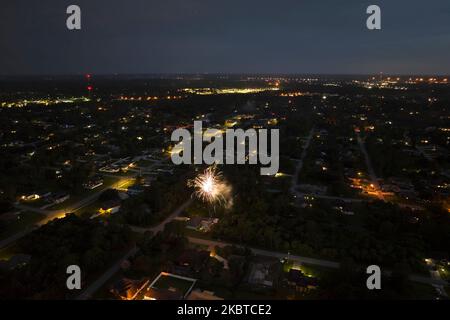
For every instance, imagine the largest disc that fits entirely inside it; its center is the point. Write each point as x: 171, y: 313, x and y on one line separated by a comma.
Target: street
x: 94, y: 286
x: 306, y: 260
x: 53, y: 214
x: 373, y: 176
x: 97, y: 284
x: 299, y: 166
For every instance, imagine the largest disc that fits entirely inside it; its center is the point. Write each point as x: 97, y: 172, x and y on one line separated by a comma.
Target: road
x: 8, y: 241
x: 320, y: 196
x: 371, y: 171
x: 428, y: 280
x: 94, y: 286
x: 79, y: 204
x: 97, y: 284
x: 440, y: 287
x: 53, y: 214
x: 211, y: 243
x: 300, y: 162
x: 160, y: 227
x: 266, y: 253
x: 306, y: 260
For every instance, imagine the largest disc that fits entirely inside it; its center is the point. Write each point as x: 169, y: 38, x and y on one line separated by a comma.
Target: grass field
x: 88, y: 211
x: 24, y: 220
x: 8, y: 252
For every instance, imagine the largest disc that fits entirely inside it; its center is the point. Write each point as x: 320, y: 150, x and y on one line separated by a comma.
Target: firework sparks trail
x: 210, y: 187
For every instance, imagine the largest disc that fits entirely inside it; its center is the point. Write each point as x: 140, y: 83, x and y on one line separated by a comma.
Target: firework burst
x: 210, y: 187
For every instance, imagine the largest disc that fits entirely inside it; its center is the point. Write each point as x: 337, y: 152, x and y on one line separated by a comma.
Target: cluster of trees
x: 58, y: 244
x: 18, y: 177
x: 73, y: 178
x: 159, y: 252
x: 379, y: 233
x: 349, y: 282
x: 395, y: 162
x: 332, y: 151
x: 5, y: 206
x: 152, y: 205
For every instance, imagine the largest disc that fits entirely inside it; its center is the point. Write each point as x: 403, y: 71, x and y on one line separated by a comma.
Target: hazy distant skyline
x: 234, y: 36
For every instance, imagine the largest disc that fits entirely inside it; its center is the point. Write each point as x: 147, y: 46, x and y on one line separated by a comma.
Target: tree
x: 109, y: 194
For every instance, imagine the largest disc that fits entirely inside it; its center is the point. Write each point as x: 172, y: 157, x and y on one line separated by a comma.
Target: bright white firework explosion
x: 211, y: 188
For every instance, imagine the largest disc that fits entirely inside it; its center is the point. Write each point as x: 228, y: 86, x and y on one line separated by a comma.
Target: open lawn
x: 88, y: 211
x: 38, y: 203
x: 24, y: 220
x: 8, y: 252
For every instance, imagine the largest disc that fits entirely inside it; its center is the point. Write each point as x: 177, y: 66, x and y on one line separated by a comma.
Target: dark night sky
x: 228, y: 36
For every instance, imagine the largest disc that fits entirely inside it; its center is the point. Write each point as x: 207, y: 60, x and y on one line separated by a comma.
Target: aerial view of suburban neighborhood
x: 163, y: 170
x: 87, y: 179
